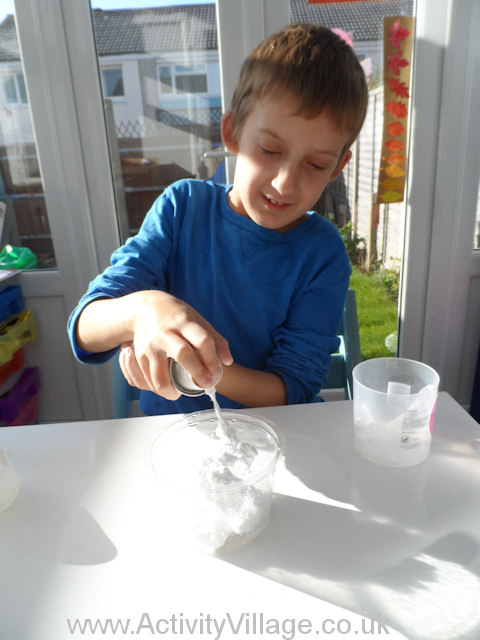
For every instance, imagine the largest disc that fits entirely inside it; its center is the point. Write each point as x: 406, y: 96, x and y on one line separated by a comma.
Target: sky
x: 6, y: 6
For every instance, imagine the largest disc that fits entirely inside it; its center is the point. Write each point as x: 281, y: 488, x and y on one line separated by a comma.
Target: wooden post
x: 372, y: 232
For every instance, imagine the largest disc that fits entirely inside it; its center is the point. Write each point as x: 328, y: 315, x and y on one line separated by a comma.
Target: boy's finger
x: 198, y: 357
x: 223, y: 350
x: 213, y: 349
x: 161, y: 379
x: 155, y: 380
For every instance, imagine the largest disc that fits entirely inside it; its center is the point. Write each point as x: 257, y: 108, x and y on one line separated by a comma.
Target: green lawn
x: 377, y: 310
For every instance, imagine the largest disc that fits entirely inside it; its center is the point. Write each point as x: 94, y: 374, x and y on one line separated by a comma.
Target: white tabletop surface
x: 352, y: 548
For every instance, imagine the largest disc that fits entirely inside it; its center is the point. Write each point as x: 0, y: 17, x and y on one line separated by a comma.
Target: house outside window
x: 112, y: 80
x: 14, y: 89
x: 180, y: 79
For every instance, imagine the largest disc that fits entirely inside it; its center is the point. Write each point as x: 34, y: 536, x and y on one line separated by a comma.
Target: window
x: 112, y: 80
x: 165, y: 79
x: 169, y: 119
x: 14, y: 89
x: 182, y: 79
x: 25, y: 222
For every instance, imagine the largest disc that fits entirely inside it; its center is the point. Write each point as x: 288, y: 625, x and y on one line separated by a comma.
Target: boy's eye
x: 316, y: 166
x: 267, y: 151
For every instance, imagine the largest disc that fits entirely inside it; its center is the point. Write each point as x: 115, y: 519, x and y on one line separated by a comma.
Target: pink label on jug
x: 432, y: 417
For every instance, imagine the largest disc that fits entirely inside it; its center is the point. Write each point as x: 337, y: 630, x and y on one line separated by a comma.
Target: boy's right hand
x: 164, y: 327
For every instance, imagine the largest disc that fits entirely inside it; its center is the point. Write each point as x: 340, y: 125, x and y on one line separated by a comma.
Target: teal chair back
x: 348, y: 354
x: 124, y: 395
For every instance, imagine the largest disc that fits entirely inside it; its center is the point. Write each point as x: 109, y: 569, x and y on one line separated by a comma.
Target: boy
x: 243, y: 276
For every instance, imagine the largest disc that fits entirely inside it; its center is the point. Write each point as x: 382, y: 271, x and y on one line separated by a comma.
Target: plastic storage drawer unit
x: 12, y: 402
x: 11, y: 302
x: 16, y: 332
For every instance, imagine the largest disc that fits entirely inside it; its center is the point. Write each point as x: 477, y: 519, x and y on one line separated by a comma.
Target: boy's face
x: 284, y: 161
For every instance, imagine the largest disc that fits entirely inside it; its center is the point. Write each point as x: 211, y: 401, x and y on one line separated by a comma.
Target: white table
x: 351, y: 548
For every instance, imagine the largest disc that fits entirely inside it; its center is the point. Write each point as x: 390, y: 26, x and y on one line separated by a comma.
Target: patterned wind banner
x: 398, y: 43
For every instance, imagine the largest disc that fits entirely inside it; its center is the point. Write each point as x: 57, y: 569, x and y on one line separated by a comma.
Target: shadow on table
x: 368, y: 566
x: 396, y: 545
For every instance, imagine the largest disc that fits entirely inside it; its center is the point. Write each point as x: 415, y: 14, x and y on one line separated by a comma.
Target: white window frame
x: 440, y: 305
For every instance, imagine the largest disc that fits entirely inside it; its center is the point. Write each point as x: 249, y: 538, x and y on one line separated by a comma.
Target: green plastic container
x: 17, y: 258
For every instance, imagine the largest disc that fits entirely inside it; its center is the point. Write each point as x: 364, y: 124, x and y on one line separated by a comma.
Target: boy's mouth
x: 275, y: 203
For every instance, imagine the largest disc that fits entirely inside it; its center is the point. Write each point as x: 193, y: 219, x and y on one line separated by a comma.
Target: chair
x: 348, y: 354
x: 124, y: 395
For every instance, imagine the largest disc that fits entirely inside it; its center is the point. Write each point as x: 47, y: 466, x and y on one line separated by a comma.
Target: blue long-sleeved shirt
x: 276, y: 297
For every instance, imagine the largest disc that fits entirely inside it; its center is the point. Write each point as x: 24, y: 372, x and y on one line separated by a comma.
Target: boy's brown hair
x: 311, y: 63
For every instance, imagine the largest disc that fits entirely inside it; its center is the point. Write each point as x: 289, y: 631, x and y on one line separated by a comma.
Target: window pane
x: 191, y: 84
x: 167, y: 122
x: 113, y: 82
x: 9, y: 89
x: 180, y: 68
x: 165, y: 77
x: 21, y: 188
x: 374, y: 233
x: 22, y: 92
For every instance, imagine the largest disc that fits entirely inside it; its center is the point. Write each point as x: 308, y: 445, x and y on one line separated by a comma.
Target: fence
x: 382, y: 227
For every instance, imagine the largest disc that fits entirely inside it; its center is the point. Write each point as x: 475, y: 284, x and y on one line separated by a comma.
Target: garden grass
x: 377, y: 313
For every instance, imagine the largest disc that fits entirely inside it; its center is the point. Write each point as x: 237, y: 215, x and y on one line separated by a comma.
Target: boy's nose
x: 286, y: 179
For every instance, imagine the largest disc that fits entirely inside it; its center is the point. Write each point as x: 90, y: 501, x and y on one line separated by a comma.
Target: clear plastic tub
x: 217, y: 490
x: 394, y: 403
x: 8, y: 483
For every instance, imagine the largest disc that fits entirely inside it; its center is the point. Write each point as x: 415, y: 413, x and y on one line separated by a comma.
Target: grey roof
x: 193, y: 27
x: 364, y: 19
x: 8, y: 40
x: 190, y: 27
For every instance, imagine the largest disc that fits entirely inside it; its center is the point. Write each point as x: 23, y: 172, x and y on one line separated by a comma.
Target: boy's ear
x: 226, y: 128
x: 340, y: 166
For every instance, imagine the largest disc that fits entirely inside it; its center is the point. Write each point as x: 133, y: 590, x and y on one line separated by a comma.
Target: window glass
x: 373, y: 233
x: 112, y: 83
x: 9, y: 89
x: 14, y: 89
x: 24, y: 221
x: 165, y: 78
x: 22, y: 92
x: 168, y: 123
x: 191, y: 83
x: 182, y: 80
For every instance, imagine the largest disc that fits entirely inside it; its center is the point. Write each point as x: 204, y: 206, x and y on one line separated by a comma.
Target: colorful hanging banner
x: 398, y: 33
